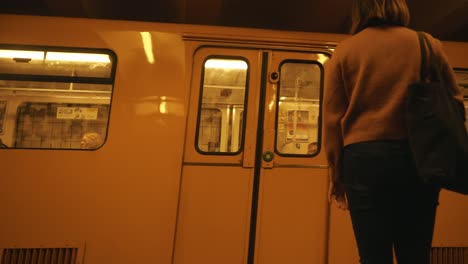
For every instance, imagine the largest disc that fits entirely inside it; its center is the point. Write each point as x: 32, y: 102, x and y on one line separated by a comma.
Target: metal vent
x: 449, y: 255
x: 39, y: 256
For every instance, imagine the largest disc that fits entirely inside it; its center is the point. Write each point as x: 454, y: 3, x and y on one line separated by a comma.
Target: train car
x: 138, y: 142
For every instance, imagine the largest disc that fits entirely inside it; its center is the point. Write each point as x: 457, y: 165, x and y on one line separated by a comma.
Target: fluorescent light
x: 147, y: 46
x: 22, y: 54
x: 77, y: 57
x: 163, y: 108
x: 226, y: 64
x: 54, y: 56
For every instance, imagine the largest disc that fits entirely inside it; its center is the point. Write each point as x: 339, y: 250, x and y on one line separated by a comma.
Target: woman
x: 371, y: 167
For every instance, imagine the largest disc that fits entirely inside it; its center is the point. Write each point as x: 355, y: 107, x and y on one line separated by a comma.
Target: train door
x: 292, y: 212
x: 254, y: 182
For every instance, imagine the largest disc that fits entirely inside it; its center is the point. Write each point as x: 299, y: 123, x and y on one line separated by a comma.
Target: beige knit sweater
x: 365, y: 87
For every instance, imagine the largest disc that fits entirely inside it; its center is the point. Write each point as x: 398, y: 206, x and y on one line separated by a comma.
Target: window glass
x: 55, y: 63
x: 462, y: 79
x: 3, y: 104
x: 210, y: 130
x: 298, y: 108
x: 221, y: 116
x: 466, y: 113
x: 55, y: 98
x: 60, y: 125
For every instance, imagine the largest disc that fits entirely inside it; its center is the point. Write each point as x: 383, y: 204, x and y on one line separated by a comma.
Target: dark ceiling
x: 447, y: 20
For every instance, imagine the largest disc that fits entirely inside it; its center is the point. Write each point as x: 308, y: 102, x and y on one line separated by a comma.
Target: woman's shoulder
x: 369, y: 36
x: 432, y: 40
x: 435, y: 44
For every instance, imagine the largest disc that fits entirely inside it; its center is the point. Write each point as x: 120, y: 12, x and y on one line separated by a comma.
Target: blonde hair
x: 365, y: 12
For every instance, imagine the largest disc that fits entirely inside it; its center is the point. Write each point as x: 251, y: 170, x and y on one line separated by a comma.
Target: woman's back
x: 376, y: 65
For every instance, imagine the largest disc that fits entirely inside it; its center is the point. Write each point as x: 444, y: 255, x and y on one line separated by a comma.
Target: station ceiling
x: 447, y: 20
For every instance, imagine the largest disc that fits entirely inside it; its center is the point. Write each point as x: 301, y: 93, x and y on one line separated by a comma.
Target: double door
x: 254, y: 180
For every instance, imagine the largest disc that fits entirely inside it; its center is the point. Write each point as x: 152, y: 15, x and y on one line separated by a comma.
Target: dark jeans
x: 391, y: 208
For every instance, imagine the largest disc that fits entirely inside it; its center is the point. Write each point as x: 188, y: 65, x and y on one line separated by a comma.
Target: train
x: 207, y: 146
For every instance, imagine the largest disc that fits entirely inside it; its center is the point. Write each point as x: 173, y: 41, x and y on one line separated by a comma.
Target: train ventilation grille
x: 449, y: 255
x: 40, y: 256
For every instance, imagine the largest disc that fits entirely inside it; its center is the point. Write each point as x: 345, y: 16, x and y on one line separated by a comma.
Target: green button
x: 268, y: 156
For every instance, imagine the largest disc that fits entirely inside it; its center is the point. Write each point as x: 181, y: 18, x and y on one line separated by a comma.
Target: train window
x: 221, y: 116
x: 462, y: 79
x: 298, y: 108
x: 466, y: 113
x: 59, y: 125
x: 55, y: 63
x: 2, y: 114
x: 210, y: 130
x: 55, y: 98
